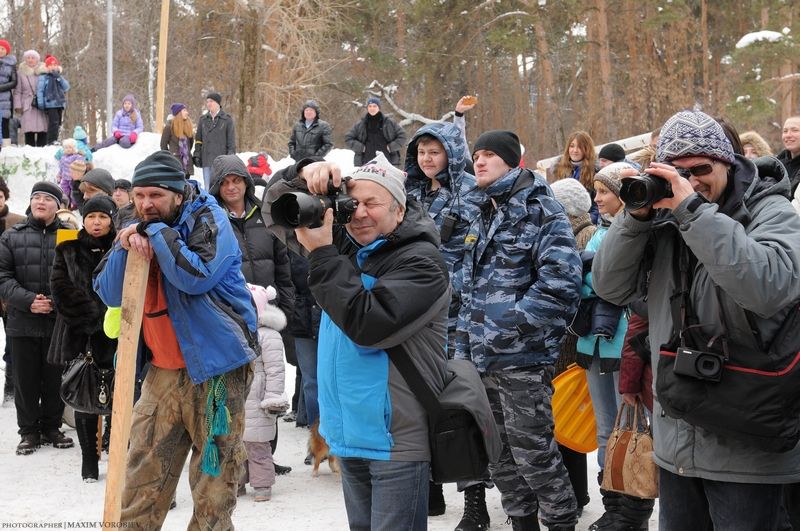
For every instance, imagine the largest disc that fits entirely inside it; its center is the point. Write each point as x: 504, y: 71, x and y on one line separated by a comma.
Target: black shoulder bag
x: 748, y: 394
x: 463, y: 436
x: 85, y: 386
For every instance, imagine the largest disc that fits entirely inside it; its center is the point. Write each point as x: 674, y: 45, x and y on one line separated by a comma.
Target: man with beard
x: 199, y: 333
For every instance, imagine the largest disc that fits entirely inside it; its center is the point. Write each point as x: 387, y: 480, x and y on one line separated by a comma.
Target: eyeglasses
x: 697, y: 171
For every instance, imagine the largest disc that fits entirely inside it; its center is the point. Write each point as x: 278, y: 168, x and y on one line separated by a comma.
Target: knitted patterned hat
x: 611, y: 176
x: 78, y: 166
x: 693, y: 134
x: 572, y: 196
x: 379, y: 170
x: 160, y: 169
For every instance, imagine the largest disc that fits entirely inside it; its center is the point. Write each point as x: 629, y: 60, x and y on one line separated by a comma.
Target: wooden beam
x: 133, y: 291
x: 161, y: 77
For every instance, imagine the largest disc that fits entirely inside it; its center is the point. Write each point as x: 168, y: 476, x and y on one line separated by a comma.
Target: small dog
x: 319, y: 449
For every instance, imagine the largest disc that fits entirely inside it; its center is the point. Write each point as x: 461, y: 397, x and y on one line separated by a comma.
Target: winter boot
x: 86, y: 428
x: 436, y: 505
x: 281, y: 470
x: 476, y: 517
x: 525, y: 523
x: 633, y: 513
x: 57, y: 438
x: 29, y: 443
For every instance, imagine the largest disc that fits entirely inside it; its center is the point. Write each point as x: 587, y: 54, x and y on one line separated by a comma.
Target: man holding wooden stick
x: 199, y: 331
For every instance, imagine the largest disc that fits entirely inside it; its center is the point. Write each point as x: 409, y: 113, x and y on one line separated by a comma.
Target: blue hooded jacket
x: 209, y: 305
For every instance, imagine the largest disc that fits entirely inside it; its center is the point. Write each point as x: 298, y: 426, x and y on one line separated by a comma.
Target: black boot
x: 476, y: 517
x: 525, y: 523
x: 29, y: 443
x: 609, y: 519
x: 57, y: 438
x: 436, y: 505
x: 634, y: 513
x: 86, y: 428
x: 8, y: 388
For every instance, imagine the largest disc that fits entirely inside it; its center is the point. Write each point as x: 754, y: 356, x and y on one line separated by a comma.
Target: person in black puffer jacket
x: 80, y: 312
x: 26, y: 255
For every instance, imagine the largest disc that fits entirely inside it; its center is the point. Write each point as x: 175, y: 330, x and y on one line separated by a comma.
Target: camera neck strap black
x: 399, y: 357
x: 684, y: 318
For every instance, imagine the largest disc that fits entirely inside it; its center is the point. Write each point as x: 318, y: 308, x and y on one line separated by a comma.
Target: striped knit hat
x: 160, y: 169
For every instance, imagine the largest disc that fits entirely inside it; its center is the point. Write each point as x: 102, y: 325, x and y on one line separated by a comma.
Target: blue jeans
x: 307, y: 360
x: 704, y: 504
x: 605, y: 401
x: 385, y: 495
x: 206, y: 178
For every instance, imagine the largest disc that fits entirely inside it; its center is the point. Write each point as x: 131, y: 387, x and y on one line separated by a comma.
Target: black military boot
x: 476, y: 517
x: 525, y: 523
x: 436, y: 505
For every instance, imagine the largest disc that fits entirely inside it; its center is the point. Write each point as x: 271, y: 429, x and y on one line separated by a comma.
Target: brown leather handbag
x: 629, y: 466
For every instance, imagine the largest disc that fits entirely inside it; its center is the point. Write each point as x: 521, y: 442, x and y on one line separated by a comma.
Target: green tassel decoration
x: 209, y: 464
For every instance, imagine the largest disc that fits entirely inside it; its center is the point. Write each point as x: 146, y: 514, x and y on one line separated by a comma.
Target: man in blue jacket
x: 199, y: 326
x: 381, y: 282
x: 521, y: 281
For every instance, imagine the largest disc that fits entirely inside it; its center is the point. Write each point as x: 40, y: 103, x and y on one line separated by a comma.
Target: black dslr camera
x: 643, y: 190
x: 699, y: 364
x: 301, y: 209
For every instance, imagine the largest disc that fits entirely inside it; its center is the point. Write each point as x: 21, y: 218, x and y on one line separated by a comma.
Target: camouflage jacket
x: 458, y: 198
x: 521, y: 277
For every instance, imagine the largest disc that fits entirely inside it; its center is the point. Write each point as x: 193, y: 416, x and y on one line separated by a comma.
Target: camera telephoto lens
x: 643, y: 190
x: 297, y: 209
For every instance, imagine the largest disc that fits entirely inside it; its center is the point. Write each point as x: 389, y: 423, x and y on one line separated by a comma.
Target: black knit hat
x: 99, y: 203
x: 125, y: 184
x: 48, y: 188
x: 504, y: 143
x: 612, y: 152
x: 214, y: 96
x: 160, y: 169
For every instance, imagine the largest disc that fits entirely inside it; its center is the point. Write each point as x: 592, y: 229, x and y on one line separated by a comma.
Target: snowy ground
x: 46, y: 487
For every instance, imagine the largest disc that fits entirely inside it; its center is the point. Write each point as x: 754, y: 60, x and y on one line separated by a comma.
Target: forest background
x: 544, y: 68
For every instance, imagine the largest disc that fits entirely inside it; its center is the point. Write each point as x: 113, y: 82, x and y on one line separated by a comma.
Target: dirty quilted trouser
x: 168, y: 420
x: 530, y: 473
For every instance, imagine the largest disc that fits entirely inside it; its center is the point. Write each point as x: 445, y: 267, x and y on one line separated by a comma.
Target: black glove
x: 197, y: 161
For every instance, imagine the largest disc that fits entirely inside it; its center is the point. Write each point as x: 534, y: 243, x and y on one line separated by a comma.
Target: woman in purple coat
x: 127, y: 125
x: 32, y: 119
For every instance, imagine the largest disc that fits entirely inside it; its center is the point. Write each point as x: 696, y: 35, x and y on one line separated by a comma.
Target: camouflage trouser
x: 168, y: 420
x: 530, y: 473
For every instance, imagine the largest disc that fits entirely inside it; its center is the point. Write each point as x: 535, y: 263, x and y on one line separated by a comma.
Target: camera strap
x: 684, y: 318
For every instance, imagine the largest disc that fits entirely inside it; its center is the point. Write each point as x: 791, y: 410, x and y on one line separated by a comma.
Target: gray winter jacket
x: 748, y: 245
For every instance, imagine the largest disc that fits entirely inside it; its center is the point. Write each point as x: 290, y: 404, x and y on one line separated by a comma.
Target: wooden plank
x: 133, y: 291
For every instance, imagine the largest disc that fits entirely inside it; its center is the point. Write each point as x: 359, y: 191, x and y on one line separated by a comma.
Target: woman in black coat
x: 80, y: 312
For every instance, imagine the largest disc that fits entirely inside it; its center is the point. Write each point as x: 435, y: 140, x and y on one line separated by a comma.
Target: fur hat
x: 309, y: 104
x: 611, y: 176
x: 160, y: 169
x: 100, y: 178
x: 612, y: 152
x: 693, y: 134
x: 175, y: 108
x: 5, y: 44
x: 50, y: 60
x: 99, y: 203
x: 50, y: 189
x: 504, y: 143
x: 379, y: 170
x: 572, y: 196
x: 32, y: 53
x: 216, y: 96
x: 268, y: 315
x: 757, y: 141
